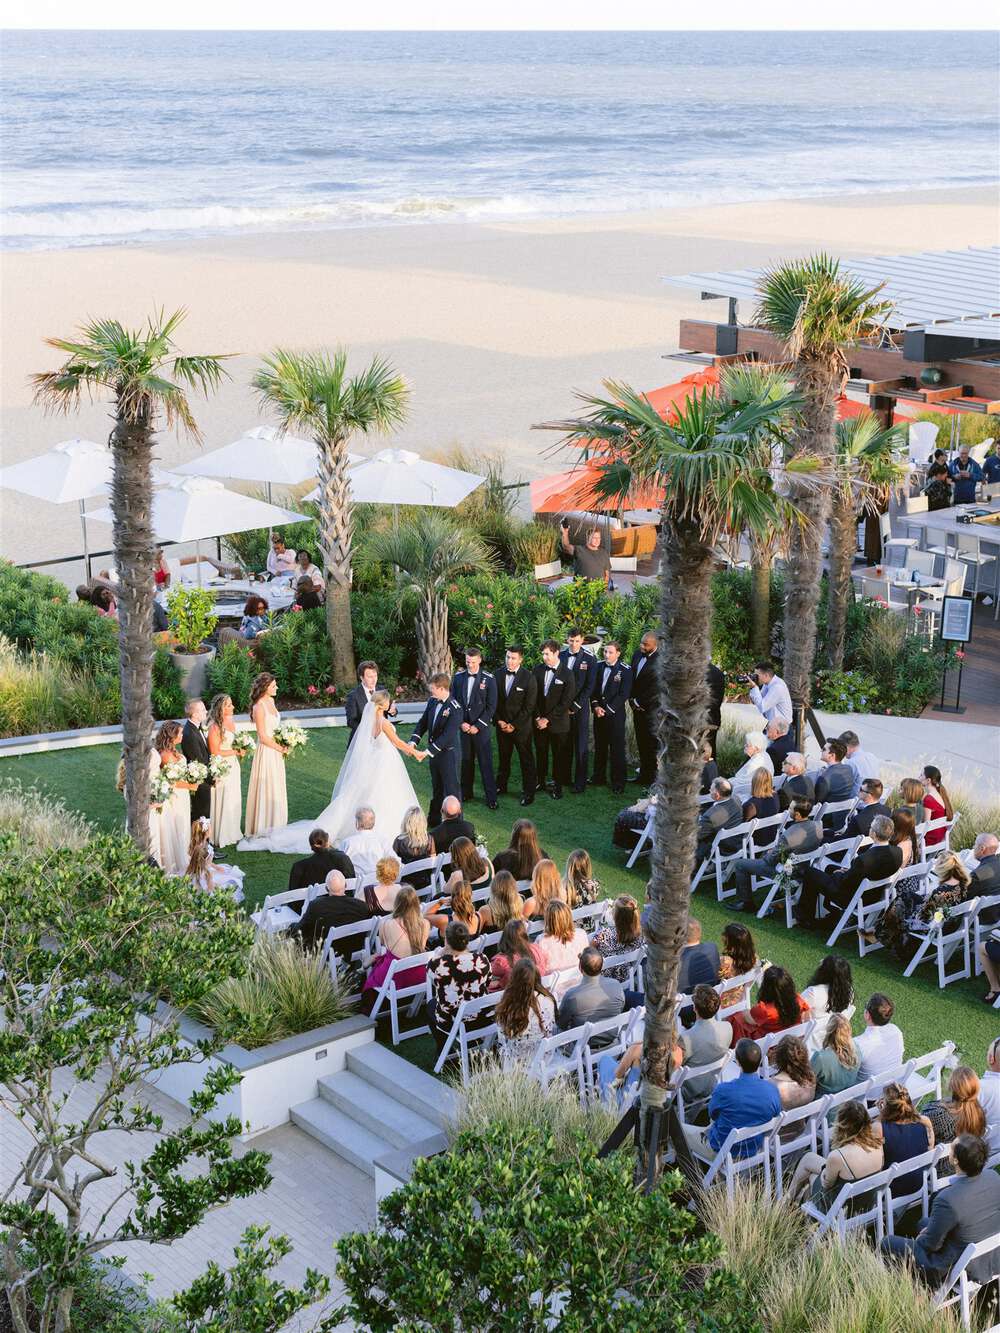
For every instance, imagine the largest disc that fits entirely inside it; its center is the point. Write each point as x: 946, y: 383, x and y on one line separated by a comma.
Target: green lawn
x: 84, y: 779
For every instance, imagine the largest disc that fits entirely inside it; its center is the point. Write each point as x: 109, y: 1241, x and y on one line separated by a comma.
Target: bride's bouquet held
x: 291, y: 737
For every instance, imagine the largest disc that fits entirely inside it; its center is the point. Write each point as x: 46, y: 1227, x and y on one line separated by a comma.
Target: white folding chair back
x: 276, y: 914
x: 390, y: 994
x: 686, y: 1104
x: 863, y: 909
x: 798, y: 1132
x: 745, y: 984
x: 960, y: 1289
x: 731, y: 1166
x: 359, y: 931
x: 985, y: 926
x: 933, y: 826
x: 588, y: 916
x: 742, y: 838
x: 837, y: 812
x: 644, y: 842
x: 471, y: 1027
x: 561, y: 1055
x: 944, y: 938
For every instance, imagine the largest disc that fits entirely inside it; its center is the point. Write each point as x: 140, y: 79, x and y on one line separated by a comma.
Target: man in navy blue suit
x: 442, y: 721
x: 583, y: 667
x: 612, y: 688
x: 475, y: 691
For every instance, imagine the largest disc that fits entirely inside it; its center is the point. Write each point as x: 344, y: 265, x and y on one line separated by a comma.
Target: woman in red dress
x: 937, y: 804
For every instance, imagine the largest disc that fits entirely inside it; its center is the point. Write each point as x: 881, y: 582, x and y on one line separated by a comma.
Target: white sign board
x: 956, y: 620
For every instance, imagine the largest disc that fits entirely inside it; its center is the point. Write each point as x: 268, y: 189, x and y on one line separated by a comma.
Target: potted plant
x: 536, y: 547
x: 191, y: 619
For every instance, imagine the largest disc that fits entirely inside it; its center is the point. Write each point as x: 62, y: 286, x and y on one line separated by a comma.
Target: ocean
x: 142, y: 137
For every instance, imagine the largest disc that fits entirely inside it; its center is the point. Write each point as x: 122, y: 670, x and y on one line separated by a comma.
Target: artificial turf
x: 84, y: 780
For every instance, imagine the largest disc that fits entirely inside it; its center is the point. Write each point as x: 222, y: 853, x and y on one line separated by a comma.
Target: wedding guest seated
x: 881, y: 1044
x: 755, y: 749
x: 835, y: 781
x: 862, y: 764
x: 904, y: 1134
x: 705, y: 1041
x: 404, y: 934
x: 961, y: 1112
x: 778, y: 1006
x: 781, y: 743
x: 380, y: 898
x: 763, y: 802
x: 837, y: 1061
x: 630, y: 822
x: 737, y: 1104
x: 699, y: 963
x: 964, y: 1213
x: 306, y: 569
x: 725, y: 812
x: 476, y: 868
x: 800, y: 835
x: 562, y: 942
x: 514, y: 945
x: 592, y: 999
x: 523, y: 853
x: 989, y: 956
x: 313, y: 869
x: 986, y: 874
x: 365, y: 847
x: 330, y: 909
x: 456, y: 975
x: 831, y: 991
x: 936, y: 803
x: 621, y: 935
x: 504, y: 903
x: 580, y: 888
x: 911, y: 794
x: 875, y: 862
x: 255, y: 617
x: 525, y: 1015
x: 103, y: 601
x: 738, y: 957
x: 798, y: 785
x: 414, y: 843
x: 456, y: 905
x: 857, y: 1153
x: 793, y: 1076
x: 306, y: 596
x: 546, y: 887
x: 989, y: 1093
x: 895, y: 928
x: 452, y: 825
x: 870, y: 806
x: 709, y: 768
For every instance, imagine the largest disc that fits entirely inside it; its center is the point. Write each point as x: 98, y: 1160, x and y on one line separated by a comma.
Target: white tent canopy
x: 399, y: 477
x: 192, y: 508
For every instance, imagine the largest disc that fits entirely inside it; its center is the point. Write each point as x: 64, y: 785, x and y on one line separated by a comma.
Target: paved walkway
x: 314, y: 1198
x: 980, y: 674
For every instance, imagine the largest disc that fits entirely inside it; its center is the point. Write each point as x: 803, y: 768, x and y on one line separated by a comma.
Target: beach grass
x: 84, y: 780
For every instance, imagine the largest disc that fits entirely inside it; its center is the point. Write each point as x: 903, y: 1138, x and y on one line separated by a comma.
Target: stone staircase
x: 380, y: 1103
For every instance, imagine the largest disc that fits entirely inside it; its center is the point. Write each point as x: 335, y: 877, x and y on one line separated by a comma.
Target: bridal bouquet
x: 291, y: 736
x: 243, y: 743
x: 218, y: 767
x: 196, y: 772
x: 176, y: 771
x: 160, y: 788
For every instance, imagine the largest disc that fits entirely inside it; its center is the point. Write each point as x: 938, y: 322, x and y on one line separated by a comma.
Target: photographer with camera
x: 590, y: 561
x: 769, y: 693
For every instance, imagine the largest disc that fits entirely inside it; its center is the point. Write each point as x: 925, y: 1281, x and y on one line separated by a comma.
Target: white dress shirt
x: 278, y: 565
x: 989, y: 1100
x: 313, y: 573
x: 863, y: 765
x: 881, y: 1049
x: 365, y: 848
x: 773, y: 700
x: 744, y: 778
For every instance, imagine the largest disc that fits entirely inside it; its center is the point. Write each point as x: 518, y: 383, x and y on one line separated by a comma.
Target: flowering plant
x: 291, y: 736
x: 160, y: 788
x: 218, y: 767
x: 244, y: 743
x: 196, y: 772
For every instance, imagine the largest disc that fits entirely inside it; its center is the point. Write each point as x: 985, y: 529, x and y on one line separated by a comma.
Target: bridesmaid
x: 227, y: 794
x: 267, y: 800
x: 155, y: 814
x: 175, y: 817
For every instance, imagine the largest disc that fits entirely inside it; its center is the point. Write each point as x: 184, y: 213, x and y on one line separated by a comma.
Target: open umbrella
x: 399, y: 477
x: 261, y: 454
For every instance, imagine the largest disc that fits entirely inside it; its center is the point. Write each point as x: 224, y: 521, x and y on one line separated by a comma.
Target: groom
x: 442, y: 721
x: 354, y: 704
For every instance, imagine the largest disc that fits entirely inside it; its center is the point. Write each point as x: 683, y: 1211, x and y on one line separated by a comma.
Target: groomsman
x: 354, y: 704
x: 476, y: 693
x: 644, y: 702
x: 442, y: 721
x: 611, y: 691
x: 554, y: 692
x: 516, y: 692
x: 194, y: 746
x: 583, y: 668
x: 716, y: 683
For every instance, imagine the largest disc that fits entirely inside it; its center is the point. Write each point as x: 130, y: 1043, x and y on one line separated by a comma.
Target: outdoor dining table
x: 231, y: 594
x: 945, y: 523
x: 899, y: 578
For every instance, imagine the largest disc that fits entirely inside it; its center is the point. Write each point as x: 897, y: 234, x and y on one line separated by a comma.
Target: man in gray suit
x: 724, y: 812
x: 966, y: 1212
x: 705, y: 1041
x: 594, y: 998
x: 800, y: 834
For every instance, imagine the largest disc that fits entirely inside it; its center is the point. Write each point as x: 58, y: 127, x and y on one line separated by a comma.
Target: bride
x: 372, y: 774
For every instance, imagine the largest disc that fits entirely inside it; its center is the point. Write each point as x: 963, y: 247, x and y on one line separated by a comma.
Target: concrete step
x: 340, y: 1133
x: 403, y: 1082
x: 374, y: 1110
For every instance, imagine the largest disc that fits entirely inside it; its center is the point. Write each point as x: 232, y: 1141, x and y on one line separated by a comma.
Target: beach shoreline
x: 496, y: 324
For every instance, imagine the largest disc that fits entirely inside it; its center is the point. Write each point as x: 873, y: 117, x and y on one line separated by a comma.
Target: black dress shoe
x: 556, y: 793
x: 491, y: 805
x: 527, y: 800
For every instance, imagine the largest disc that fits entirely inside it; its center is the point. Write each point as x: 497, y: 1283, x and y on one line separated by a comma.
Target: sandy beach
x: 494, y: 325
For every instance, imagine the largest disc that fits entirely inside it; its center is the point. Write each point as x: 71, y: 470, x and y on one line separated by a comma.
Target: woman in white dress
x: 202, y: 868
x: 175, y: 817
x: 372, y: 774
x: 227, y: 793
x: 155, y: 813
x: 267, y: 798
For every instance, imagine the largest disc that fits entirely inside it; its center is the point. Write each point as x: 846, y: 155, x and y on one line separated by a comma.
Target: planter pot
x: 592, y: 642
x: 194, y: 669
x: 274, y: 1078
x: 550, y: 570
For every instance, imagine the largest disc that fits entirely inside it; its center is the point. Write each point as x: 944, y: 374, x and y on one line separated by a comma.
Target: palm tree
x: 312, y: 391
x: 818, y: 312
x: 713, y: 461
x: 429, y: 552
x: 866, y: 473
x: 145, y: 377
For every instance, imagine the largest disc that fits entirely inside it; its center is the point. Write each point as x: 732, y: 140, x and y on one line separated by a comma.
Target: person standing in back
x: 516, y: 692
x: 716, y: 682
x: 582, y: 667
x: 591, y: 560
x: 611, y: 693
x: 553, y: 700
x: 644, y: 702
x: 475, y: 690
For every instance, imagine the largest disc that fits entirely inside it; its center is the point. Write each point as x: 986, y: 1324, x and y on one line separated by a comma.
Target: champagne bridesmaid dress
x: 175, y: 824
x: 267, y: 799
x: 155, y: 815
x: 227, y: 795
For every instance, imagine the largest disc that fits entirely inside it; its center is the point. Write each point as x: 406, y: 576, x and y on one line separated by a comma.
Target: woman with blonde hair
x: 911, y: 793
x: 227, y: 792
x: 762, y: 803
x: 505, y: 903
x: 475, y: 868
x: 455, y: 906
x: 857, y: 1153
x: 404, y: 934
x: 525, y: 1015
x: 546, y: 887
x: 580, y: 888
x: 414, y: 843
x: 175, y: 815
x: 837, y: 1063
x: 961, y: 1113
x: 380, y: 897
x: 267, y: 796
x: 562, y: 942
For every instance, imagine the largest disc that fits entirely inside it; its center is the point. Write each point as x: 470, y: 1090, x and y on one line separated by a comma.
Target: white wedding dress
x: 373, y: 773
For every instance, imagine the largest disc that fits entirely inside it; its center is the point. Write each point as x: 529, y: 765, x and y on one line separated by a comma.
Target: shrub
x: 582, y: 603
x: 296, y: 651
x: 535, y: 544
x: 729, y: 748
x: 973, y: 427
x: 518, y: 1104
x: 39, y: 823
x: 191, y: 616
x: 731, y: 619
x: 38, y: 693
x: 23, y: 596
x: 845, y: 692
x: 168, y: 696
x: 231, y: 672
x: 380, y: 636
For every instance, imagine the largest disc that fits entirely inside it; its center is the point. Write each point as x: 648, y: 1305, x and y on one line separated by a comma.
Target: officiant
x: 442, y: 721
x: 354, y: 704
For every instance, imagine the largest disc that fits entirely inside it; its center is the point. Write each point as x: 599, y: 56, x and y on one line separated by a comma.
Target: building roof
x: 944, y: 288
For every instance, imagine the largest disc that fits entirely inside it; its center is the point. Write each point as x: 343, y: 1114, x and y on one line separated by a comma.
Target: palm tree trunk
x: 843, y: 530
x: 760, y: 606
x: 335, y: 542
x: 432, y: 636
x: 131, y: 510
x: 685, y: 618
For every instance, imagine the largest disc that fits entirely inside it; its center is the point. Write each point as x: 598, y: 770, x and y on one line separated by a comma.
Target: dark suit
x: 644, y: 702
x: 986, y: 884
x: 553, y: 739
x: 835, y: 783
x: 445, y: 833
x: 727, y: 813
x: 325, y: 913
x: 798, y: 788
x: 798, y: 837
x: 194, y: 746
x: 516, y: 706
x: 354, y: 706
x: 964, y: 1213
x: 716, y: 693
x: 442, y: 721
x: 315, y: 868
x: 478, y: 710
x: 779, y: 749
x: 861, y: 821
x: 583, y: 667
x: 609, y: 730
x: 838, y: 887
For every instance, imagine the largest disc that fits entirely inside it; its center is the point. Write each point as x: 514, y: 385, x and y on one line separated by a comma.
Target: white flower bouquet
x: 218, y: 767
x: 291, y: 736
x: 196, y: 772
x: 175, y: 771
x: 160, y: 788
x: 244, y: 743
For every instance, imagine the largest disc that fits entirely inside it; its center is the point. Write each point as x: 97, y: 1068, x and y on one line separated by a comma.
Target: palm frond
x: 816, y: 309
x: 868, y: 469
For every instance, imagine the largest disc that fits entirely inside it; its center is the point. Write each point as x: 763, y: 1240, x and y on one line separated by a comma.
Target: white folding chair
x: 474, y: 1025
x: 798, y: 1132
x: 738, y: 839
x: 744, y: 984
x: 864, y: 909
x: 561, y: 1055
x: 415, y: 868
x: 416, y: 992
x: 951, y: 935
x: 686, y: 1103
x: 985, y: 926
x: 960, y: 1289
x: 275, y: 914
x: 360, y: 931
x: 836, y: 812
x: 738, y: 1156
x: 645, y: 841
x: 932, y: 826
x: 589, y: 915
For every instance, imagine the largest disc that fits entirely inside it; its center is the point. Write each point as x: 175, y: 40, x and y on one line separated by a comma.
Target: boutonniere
x: 445, y: 712
x: 482, y: 684
x: 582, y: 665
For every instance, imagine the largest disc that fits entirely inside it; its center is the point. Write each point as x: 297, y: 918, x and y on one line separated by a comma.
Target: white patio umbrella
x: 262, y: 454
x: 399, y: 477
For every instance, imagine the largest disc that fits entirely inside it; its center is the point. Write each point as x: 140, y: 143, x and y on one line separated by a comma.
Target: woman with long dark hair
x: 936, y: 802
x: 523, y: 852
x: 525, y: 1015
x: 779, y: 1006
x: 831, y: 991
x: 514, y: 945
x: 267, y: 797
